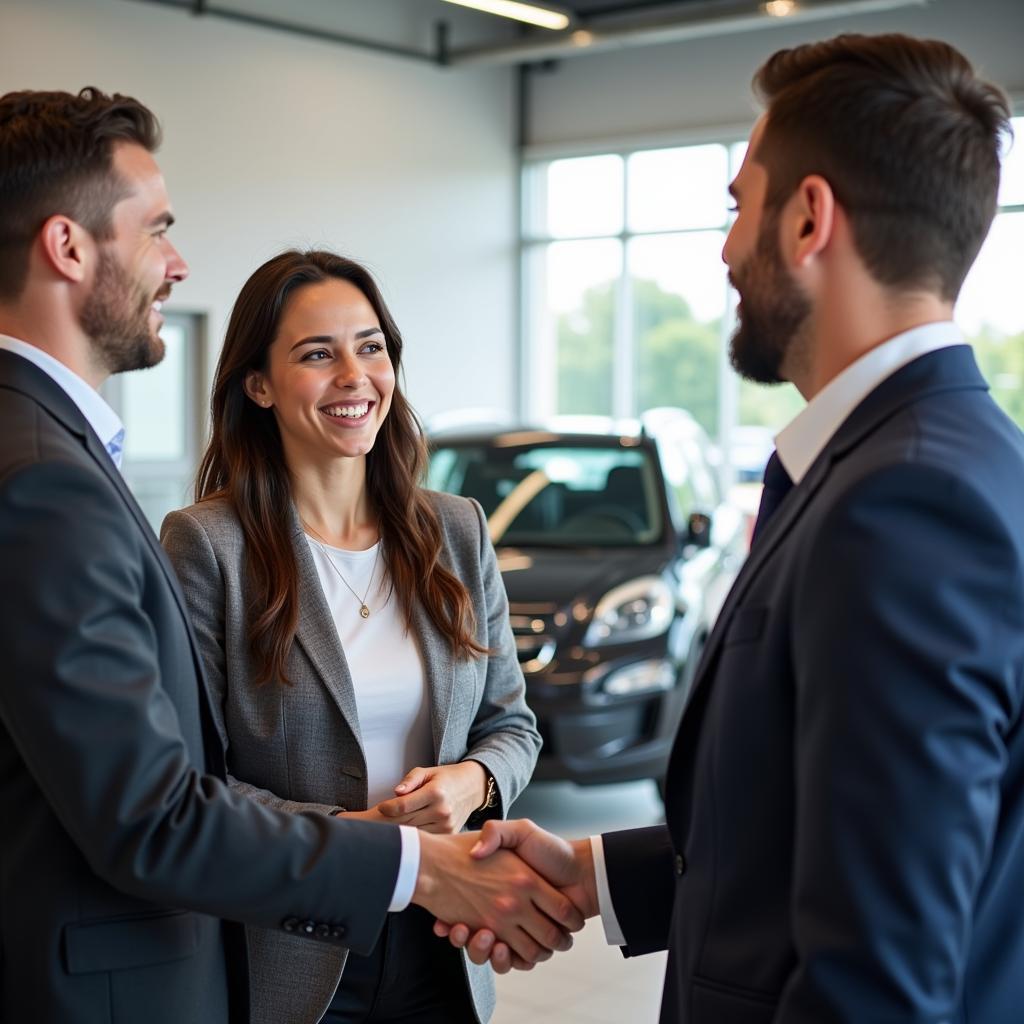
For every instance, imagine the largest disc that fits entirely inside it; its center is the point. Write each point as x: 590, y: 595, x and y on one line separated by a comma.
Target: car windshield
x: 556, y: 495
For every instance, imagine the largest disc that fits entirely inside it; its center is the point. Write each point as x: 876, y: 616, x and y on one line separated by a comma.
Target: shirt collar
x: 103, y: 420
x: 804, y: 438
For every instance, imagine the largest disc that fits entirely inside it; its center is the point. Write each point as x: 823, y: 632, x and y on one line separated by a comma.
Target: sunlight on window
x: 1011, y: 192
x: 584, y: 196
x: 678, y: 188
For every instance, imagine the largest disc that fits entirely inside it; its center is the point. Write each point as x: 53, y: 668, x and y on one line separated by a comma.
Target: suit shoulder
x: 32, y: 435
x: 454, y: 511
x: 214, y: 517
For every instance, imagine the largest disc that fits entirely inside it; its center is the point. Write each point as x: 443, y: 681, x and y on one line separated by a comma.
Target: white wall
x: 273, y: 140
x: 685, y: 88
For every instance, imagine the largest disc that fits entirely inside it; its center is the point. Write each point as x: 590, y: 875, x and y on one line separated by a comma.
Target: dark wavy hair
x: 56, y: 157
x: 244, y: 462
x: 907, y: 136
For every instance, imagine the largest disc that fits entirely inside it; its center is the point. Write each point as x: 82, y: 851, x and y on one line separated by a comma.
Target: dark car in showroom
x: 617, y: 550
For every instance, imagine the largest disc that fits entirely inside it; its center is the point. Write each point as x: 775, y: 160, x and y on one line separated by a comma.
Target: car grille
x: 533, y: 627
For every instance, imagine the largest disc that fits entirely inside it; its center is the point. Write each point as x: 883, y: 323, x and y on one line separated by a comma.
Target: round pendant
x: 364, y: 611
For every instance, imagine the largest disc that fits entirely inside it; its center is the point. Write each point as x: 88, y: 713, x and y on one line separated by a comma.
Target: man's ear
x: 67, y: 248
x: 255, y: 386
x: 810, y: 220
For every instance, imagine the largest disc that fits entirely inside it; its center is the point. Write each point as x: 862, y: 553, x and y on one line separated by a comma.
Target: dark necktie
x: 777, y: 485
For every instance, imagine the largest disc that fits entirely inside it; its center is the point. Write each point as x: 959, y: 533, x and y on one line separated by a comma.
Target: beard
x: 773, y: 314
x: 115, y: 316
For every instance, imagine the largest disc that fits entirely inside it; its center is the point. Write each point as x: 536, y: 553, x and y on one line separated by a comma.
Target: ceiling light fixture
x: 778, y: 8
x: 533, y: 14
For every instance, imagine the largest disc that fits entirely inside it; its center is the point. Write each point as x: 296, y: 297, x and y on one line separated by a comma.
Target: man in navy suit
x: 845, y: 800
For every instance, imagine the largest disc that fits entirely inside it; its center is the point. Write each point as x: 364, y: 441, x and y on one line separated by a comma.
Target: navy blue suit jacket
x: 845, y: 799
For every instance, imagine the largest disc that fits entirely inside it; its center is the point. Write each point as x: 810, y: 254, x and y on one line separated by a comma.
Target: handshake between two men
x: 518, y: 898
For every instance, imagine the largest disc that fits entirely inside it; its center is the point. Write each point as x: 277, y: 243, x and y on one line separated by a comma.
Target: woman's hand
x: 370, y: 814
x: 438, y: 799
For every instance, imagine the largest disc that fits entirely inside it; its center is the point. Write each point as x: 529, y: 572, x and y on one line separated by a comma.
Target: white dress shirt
x: 798, y: 445
x: 389, y: 683
x: 104, y: 421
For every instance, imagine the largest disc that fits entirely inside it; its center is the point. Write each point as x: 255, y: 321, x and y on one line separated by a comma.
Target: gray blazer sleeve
x: 503, y: 736
x: 192, y: 554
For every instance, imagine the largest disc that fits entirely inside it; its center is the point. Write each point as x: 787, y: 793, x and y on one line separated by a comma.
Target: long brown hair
x: 244, y: 462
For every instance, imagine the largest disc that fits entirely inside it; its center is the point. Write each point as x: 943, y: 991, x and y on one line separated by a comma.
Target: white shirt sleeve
x: 612, y: 929
x: 408, y: 869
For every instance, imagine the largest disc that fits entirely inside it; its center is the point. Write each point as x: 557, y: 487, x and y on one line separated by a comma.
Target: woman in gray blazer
x: 354, y: 626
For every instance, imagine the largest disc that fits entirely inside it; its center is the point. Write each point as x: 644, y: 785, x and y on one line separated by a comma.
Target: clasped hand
x: 438, y: 799
x: 568, y: 866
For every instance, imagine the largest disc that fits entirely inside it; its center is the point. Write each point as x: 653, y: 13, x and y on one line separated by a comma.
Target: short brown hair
x: 56, y: 155
x: 907, y: 136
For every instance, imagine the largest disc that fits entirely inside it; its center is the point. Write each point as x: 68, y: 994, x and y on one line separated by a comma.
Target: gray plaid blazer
x: 298, y: 747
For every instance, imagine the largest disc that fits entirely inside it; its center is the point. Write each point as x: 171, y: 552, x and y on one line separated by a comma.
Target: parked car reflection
x: 616, y: 550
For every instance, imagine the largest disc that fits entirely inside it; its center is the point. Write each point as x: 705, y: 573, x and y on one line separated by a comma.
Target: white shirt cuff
x: 612, y: 929
x: 408, y: 869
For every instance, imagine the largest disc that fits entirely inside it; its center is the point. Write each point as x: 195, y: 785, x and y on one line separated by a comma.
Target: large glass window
x: 990, y: 308
x: 627, y: 304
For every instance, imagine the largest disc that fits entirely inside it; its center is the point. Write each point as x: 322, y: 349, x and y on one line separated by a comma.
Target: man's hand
x: 569, y: 866
x: 438, y: 799
x: 498, y: 893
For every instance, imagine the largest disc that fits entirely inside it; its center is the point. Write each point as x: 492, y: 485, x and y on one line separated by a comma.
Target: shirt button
x: 680, y: 864
x: 338, y: 931
x: 323, y: 931
x: 308, y: 927
x: 289, y: 924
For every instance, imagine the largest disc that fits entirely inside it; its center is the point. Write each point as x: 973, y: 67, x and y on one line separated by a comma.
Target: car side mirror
x: 698, y: 530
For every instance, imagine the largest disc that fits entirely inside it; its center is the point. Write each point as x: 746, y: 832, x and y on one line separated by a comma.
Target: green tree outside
x: 677, y: 362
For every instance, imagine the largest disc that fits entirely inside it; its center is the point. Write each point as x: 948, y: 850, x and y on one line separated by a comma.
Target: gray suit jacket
x: 298, y: 747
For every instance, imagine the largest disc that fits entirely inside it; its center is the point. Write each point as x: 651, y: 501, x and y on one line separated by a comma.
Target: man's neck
x: 64, y: 342
x: 844, y: 330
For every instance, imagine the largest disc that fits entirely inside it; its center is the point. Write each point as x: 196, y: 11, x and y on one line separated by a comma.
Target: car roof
x: 571, y: 430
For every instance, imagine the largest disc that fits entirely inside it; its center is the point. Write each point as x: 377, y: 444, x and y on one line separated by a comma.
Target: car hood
x: 559, y: 577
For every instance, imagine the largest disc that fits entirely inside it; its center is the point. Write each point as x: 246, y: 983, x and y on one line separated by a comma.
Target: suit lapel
x: 439, y: 673
x: 946, y: 369
x: 317, y: 633
x: 51, y: 397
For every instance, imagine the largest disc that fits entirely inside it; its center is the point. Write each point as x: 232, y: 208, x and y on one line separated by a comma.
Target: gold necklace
x: 364, y: 608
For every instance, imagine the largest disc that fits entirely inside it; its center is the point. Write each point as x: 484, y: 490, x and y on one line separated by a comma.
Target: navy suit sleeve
x: 907, y: 658
x: 84, y: 703
x: 639, y: 862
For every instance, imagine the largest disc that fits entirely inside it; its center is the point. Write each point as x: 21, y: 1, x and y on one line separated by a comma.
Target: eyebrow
x: 328, y: 339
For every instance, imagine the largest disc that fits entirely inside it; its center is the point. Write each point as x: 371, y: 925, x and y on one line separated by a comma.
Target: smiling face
x: 773, y: 313
x: 135, y: 269
x: 328, y: 378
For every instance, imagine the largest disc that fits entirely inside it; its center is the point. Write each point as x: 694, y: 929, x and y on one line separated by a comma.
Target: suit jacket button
x: 308, y: 927
x: 680, y: 864
x: 289, y: 924
x: 338, y: 931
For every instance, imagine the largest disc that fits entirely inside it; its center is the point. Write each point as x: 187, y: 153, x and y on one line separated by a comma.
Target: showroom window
x: 627, y: 305
x: 163, y: 409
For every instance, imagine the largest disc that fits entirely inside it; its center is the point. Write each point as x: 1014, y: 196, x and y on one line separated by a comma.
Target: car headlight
x: 640, y: 677
x: 636, y: 610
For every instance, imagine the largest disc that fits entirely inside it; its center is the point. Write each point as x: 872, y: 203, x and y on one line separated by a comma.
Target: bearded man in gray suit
x: 123, y: 845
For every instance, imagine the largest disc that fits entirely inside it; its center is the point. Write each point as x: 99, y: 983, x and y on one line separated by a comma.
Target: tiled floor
x: 592, y: 983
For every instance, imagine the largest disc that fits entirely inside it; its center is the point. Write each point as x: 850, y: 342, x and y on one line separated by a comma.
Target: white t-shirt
x: 385, y: 663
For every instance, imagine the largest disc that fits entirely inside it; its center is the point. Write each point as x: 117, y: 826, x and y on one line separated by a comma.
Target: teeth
x: 350, y: 412
x: 158, y: 305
